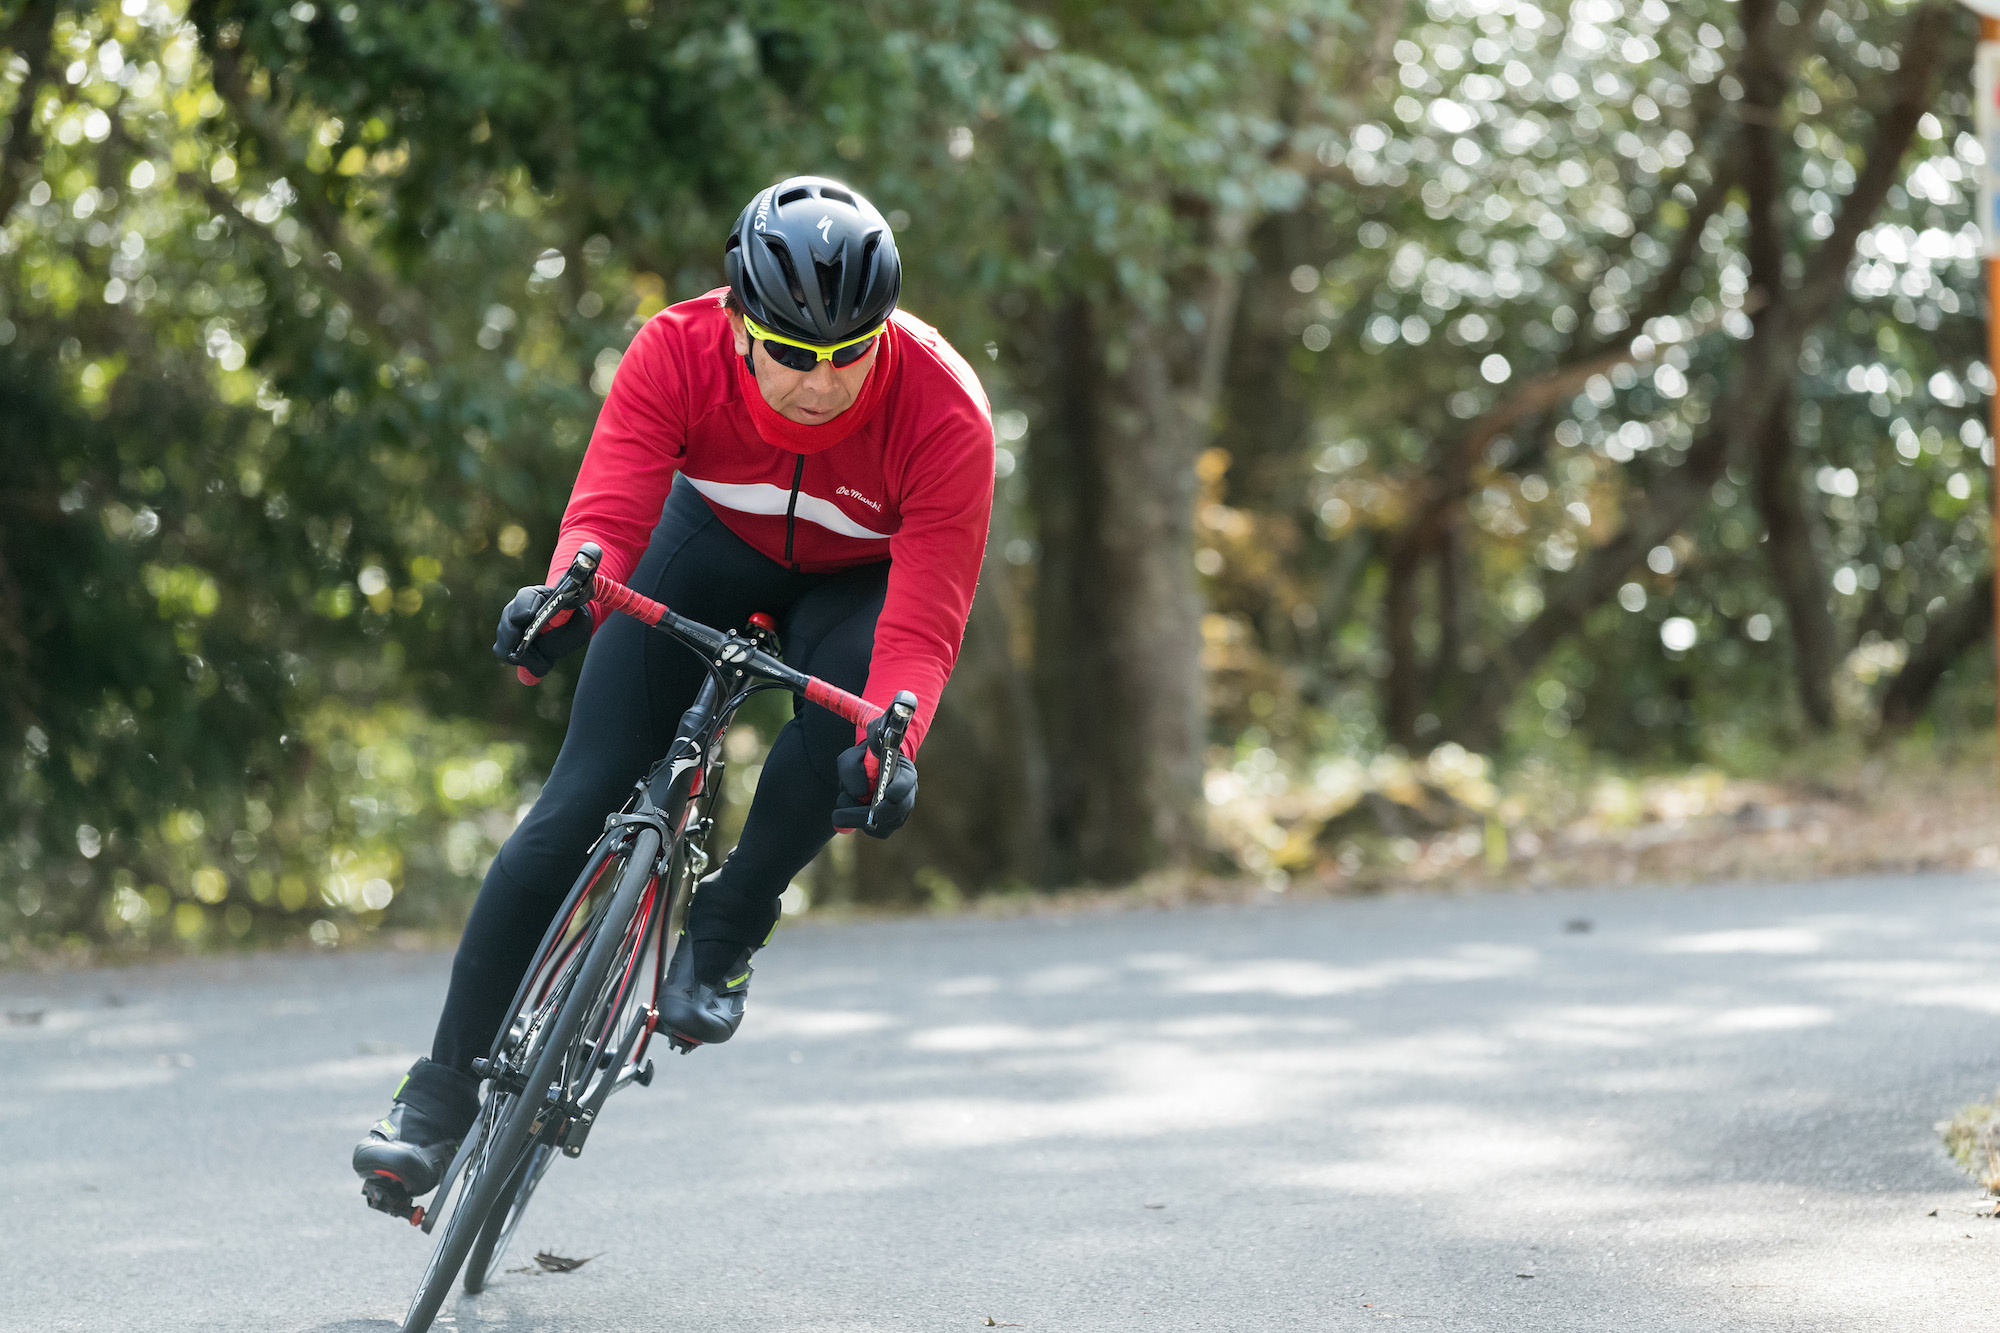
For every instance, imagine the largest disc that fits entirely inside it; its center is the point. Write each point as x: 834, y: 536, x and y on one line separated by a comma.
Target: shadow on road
x: 1710, y: 1110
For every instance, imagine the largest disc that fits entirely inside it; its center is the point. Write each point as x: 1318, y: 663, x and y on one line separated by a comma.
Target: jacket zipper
x: 791, y: 508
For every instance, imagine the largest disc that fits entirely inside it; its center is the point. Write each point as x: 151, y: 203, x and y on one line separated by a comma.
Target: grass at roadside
x: 1444, y: 825
x: 1883, y: 814
x: 1450, y: 820
x: 1972, y: 1137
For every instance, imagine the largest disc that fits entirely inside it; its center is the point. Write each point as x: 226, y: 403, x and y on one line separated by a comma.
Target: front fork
x: 679, y: 793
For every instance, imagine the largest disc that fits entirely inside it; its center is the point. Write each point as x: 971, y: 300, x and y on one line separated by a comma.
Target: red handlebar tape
x: 840, y: 703
x: 617, y: 597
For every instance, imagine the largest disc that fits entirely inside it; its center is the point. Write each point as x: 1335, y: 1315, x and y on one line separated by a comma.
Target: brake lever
x: 894, y: 723
x: 571, y: 591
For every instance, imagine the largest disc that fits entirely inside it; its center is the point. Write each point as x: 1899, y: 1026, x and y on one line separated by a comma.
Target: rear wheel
x: 567, y: 986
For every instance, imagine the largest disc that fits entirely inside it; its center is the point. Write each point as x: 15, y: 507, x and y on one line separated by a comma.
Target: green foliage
x: 394, y: 804
x: 306, y: 309
x: 1507, y: 213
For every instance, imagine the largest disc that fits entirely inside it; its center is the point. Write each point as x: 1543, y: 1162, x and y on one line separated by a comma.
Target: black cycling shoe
x: 406, y: 1148
x: 700, y: 1011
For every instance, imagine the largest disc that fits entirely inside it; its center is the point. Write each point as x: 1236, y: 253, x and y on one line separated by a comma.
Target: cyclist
x: 792, y: 443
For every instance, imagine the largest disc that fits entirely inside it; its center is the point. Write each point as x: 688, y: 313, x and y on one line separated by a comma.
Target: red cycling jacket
x: 909, y: 479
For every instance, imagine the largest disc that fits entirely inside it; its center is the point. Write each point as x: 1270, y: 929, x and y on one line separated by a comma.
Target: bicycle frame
x: 583, y: 990
x: 675, y: 799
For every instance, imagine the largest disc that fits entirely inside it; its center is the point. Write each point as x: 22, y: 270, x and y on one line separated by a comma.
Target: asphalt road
x: 1712, y: 1110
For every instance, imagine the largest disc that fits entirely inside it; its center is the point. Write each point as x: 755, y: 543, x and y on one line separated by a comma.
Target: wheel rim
x: 540, y: 1158
x: 506, y: 1155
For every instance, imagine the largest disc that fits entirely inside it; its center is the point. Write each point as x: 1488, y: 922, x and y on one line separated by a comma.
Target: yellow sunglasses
x: 795, y: 355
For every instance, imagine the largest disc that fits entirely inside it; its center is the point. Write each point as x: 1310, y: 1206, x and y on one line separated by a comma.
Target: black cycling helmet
x: 811, y: 259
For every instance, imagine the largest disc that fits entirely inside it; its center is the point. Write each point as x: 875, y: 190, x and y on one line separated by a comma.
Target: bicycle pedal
x: 680, y: 1043
x: 386, y: 1194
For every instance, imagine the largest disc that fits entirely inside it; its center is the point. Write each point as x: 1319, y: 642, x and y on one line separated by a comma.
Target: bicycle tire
x: 509, y: 1147
x: 491, y: 1246
x: 484, y: 1259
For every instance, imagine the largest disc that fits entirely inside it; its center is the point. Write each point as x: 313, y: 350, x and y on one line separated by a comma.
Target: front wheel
x: 482, y: 1265
x: 567, y: 986
x: 599, y: 1057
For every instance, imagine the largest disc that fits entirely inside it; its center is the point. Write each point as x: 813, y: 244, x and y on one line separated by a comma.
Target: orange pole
x: 1993, y: 429
x: 1989, y: 30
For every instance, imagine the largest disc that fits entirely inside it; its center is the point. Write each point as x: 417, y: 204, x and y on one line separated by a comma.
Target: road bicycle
x: 584, y: 1015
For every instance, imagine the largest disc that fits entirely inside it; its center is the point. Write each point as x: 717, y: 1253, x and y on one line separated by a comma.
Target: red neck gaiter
x: 781, y: 432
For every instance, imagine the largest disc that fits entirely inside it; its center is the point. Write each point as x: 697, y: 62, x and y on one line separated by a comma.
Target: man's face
x: 809, y: 397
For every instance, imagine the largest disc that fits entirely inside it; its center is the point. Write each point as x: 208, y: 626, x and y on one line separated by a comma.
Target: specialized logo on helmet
x: 824, y: 224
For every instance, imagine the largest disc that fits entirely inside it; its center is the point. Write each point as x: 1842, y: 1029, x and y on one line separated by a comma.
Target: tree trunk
x: 1793, y: 549
x: 981, y: 805
x: 1796, y: 566
x: 28, y: 36
x: 1453, y: 613
x: 1403, y: 688
x: 1266, y: 413
x: 1948, y: 635
x: 1338, y: 588
x: 1117, y: 612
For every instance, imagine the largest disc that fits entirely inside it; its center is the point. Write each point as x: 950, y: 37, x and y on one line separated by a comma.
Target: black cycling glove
x: 856, y: 767
x: 565, y: 634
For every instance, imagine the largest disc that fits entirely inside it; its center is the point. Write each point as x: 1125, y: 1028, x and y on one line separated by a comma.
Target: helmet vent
x: 829, y: 286
x: 793, y: 196
x: 838, y: 196
x: 783, y: 254
x: 868, y: 248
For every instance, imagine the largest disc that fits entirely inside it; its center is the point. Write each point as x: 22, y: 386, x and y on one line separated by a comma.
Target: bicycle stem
x: 583, y: 582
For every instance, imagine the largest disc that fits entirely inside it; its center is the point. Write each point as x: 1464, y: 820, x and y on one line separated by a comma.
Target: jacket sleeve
x: 934, y: 565
x: 639, y: 443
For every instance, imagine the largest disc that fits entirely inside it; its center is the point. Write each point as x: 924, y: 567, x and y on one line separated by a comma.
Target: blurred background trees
x: 1475, y: 382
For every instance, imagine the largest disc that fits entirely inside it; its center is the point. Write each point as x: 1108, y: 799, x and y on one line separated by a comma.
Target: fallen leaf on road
x: 991, y: 1322
x: 1156, y: 1205
x: 556, y: 1263
x: 1524, y: 1275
